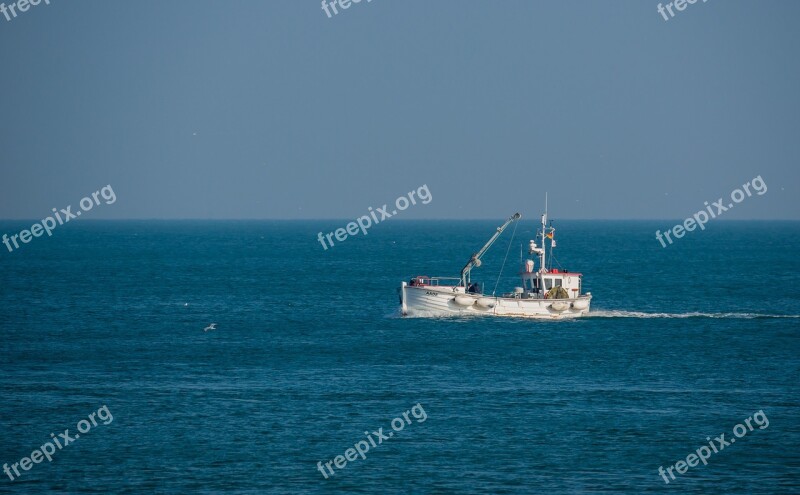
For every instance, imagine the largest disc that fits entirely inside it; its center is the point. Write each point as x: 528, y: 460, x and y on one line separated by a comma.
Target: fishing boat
x: 545, y: 292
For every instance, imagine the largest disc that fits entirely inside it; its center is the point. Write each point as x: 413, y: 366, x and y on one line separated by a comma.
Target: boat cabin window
x: 558, y: 282
x: 548, y: 283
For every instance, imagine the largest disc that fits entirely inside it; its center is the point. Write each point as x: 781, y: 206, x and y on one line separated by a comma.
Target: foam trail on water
x: 440, y: 314
x: 639, y: 314
x: 611, y: 313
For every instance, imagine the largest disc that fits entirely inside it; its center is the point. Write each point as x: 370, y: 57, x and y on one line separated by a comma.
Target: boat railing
x: 435, y: 281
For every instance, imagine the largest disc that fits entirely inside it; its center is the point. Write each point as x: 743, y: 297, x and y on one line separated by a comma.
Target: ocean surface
x: 309, y: 353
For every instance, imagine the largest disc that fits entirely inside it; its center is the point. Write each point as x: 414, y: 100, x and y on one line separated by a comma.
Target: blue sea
x: 309, y: 353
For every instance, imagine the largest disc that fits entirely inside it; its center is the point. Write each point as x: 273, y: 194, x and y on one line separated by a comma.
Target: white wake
x: 640, y: 314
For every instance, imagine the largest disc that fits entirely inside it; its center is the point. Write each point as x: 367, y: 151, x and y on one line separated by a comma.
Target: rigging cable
x: 506, y: 257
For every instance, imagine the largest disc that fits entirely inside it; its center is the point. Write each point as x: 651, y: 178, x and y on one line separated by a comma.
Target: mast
x: 475, y: 260
x: 543, y: 253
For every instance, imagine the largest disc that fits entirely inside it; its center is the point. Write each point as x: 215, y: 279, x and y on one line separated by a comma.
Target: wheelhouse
x: 538, y: 284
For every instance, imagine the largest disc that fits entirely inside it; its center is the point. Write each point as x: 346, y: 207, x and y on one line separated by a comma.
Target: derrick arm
x: 475, y: 260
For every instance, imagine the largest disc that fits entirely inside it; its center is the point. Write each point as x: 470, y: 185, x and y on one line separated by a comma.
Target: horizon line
x: 343, y: 219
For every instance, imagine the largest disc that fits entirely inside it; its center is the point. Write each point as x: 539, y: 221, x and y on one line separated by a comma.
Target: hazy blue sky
x: 270, y: 109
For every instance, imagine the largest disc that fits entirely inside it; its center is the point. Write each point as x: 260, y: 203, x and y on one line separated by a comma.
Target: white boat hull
x: 441, y: 301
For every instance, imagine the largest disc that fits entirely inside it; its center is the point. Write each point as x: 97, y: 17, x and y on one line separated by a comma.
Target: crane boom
x: 475, y: 260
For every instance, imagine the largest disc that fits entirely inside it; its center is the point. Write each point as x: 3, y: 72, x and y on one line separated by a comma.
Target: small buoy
x: 485, y: 302
x: 463, y: 300
x: 580, y: 304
